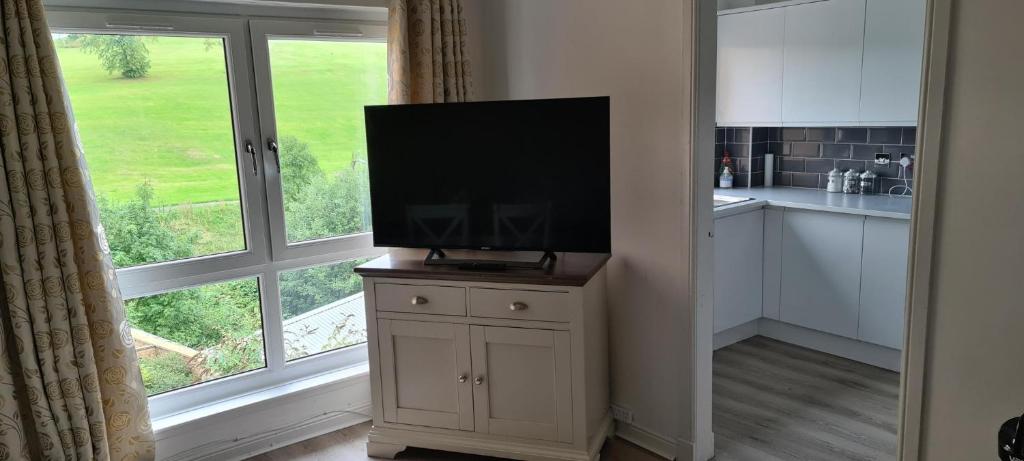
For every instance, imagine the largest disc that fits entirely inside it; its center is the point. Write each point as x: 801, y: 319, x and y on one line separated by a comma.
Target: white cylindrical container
x: 769, y: 170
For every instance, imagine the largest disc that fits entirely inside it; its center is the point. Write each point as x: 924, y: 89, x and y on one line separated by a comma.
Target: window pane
x: 320, y: 88
x: 322, y: 309
x: 191, y: 336
x: 154, y: 115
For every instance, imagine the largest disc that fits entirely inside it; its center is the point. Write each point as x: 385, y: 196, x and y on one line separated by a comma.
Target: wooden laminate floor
x: 772, y: 402
x: 350, y: 445
x: 775, y: 401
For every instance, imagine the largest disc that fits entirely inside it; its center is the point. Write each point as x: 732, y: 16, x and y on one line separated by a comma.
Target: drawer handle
x: 419, y: 301
x: 518, y: 306
x: 479, y: 380
x: 463, y: 378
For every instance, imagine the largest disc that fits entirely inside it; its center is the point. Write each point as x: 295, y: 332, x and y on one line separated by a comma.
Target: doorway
x: 816, y: 325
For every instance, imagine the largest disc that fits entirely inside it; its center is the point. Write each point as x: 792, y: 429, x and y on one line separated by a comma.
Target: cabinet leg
x: 383, y: 450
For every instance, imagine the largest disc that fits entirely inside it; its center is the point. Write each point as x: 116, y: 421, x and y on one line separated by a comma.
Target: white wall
x: 635, y: 54
x: 975, y: 369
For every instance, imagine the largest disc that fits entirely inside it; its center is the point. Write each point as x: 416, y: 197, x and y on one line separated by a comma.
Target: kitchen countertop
x: 880, y: 205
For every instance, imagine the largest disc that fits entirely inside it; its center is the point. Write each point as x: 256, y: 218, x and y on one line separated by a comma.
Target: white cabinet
x: 523, y: 383
x: 821, y: 268
x: 893, y: 47
x: 738, y: 269
x: 824, y: 44
x: 884, y: 281
x: 750, y: 68
x: 433, y: 362
x: 823, y: 63
x: 494, y: 364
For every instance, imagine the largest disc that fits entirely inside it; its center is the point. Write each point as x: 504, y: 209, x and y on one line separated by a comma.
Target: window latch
x: 272, y: 145
x: 252, y: 154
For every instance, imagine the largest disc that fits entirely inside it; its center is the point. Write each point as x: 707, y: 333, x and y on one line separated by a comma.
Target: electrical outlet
x: 622, y: 414
x: 883, y: 158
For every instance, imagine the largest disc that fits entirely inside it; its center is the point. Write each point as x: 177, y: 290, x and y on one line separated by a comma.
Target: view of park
x: 155, y: 119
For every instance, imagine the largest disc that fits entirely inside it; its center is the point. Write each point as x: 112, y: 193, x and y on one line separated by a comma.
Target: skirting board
x: 650, y: 441
x: 871, y: 354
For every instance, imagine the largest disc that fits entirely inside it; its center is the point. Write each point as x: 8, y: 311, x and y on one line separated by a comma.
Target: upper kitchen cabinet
x: 820, y: 63
x: 893, y: 47
x: 824, y: 47
x: 750, y: 68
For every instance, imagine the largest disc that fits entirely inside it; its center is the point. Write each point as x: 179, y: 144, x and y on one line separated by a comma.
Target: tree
x: 299, y: 168
x: 125, y: 54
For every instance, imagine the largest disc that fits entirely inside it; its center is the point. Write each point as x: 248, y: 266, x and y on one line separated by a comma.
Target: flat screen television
x: 510, y: 175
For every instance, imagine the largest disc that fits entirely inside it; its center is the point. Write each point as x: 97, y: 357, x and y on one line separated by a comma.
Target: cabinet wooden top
x: 570, y: 269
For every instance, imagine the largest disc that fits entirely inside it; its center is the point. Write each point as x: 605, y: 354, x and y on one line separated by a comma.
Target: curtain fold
x: 70, y: 386
x: 427, y: 59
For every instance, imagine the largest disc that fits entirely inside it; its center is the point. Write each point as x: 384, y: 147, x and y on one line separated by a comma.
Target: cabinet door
x: 425, y: 374
x: 522, y: 383
x: 824, y: 44
x: 893, y: 47
x: 884, y: 281
x: 821, y: 266
x: 738, y: 269
x: 750, y: 67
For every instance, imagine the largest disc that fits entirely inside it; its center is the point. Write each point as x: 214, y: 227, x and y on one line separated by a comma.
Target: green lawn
x: 173, y: 128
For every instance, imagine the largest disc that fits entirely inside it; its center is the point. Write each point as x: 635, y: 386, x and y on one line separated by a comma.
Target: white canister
x: 835, y: 181
x: 769, y: 170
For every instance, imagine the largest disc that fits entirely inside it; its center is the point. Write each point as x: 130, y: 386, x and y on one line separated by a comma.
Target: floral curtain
x: 427, y: 59
x: 70, y: 386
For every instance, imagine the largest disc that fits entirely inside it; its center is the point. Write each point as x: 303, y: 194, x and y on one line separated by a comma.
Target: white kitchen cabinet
x: 523, y: 379
x: 883, y: 289
x: 824, y: 45
x: 893, y: 47
x: 738, y: 247
x: 502, y: 364
x: 433, y: 361
x: 821, y: 269
x: 750, y: 68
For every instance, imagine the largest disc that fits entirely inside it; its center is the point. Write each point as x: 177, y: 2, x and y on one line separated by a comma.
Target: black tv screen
x: 509, y: 175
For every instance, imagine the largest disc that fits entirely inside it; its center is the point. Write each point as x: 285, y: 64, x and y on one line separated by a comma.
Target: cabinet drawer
x: 518, y: 304
x: 421, y: 299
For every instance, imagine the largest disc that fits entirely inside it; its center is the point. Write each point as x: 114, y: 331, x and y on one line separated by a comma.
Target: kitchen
x: 817, y: 105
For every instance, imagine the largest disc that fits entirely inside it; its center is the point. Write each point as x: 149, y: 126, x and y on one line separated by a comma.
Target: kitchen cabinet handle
x: 419, y: 300
x: 463, y: 378
x: 479, y: 380
x: 518, y: 306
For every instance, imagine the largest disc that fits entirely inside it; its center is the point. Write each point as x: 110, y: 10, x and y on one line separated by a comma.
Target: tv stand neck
x: 437, y: 257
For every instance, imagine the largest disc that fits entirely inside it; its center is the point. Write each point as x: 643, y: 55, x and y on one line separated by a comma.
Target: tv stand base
x: 437, y: 257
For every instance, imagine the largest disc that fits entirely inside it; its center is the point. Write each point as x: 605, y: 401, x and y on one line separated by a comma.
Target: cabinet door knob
x: 479, y: 380
x: 419, y: 300
x: 463, y: 378
x: 518, y: 306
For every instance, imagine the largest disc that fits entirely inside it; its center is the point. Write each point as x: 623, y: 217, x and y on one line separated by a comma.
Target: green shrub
x: 165, y: 372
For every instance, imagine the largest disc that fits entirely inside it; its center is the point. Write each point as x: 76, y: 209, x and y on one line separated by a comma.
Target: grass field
x: 173, y: 128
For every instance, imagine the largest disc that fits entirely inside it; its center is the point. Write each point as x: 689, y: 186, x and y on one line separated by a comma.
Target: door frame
x: 700, y: 57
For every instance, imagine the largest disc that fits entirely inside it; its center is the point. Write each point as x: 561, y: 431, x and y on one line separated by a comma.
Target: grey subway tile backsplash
x: 819, y: 165
x: 867, y: 151
x: 807, y: 180
x: 852, y: 135
x: 885, y: 135
x: 805, y: 149
x: 794, y: 134
x: 804, y: 156
x: 821, y: 134
x: 836, y: 150
x: 909, y: 137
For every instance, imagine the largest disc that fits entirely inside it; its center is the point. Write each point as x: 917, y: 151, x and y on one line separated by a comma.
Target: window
x: 228, y: 160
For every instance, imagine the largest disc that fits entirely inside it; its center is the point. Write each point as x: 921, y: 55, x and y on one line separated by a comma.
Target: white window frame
x: 265, y: 256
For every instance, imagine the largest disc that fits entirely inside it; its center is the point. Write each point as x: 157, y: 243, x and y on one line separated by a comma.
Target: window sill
x: 167, y: 426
